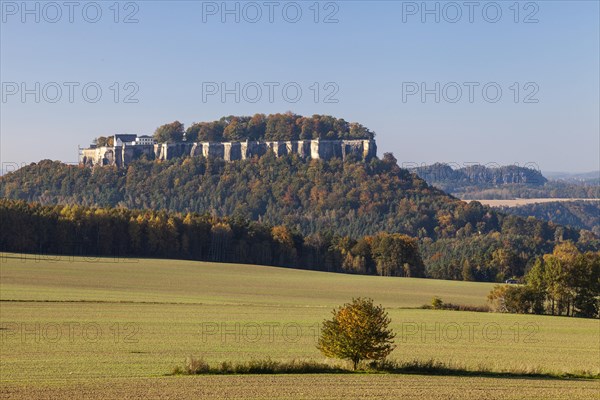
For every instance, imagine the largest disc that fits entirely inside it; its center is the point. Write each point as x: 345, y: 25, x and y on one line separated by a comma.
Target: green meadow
x: 75, y: 321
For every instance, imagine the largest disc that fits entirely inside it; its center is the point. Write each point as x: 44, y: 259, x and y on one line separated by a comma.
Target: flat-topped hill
x: 237, y: 138
x: 124, y: 153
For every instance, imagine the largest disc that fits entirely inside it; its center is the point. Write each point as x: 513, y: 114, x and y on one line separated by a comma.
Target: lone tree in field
x: 358, y: 331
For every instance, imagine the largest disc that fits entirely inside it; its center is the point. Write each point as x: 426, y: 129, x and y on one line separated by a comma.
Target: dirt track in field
x: 308, y: 387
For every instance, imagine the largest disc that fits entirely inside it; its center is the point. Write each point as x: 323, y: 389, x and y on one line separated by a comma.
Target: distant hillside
x: 589, y: 178
x: 353, y: 198
x: 443, y: 175
x: 577, y: 214
x: 478, y: 182
x: 316, y: 197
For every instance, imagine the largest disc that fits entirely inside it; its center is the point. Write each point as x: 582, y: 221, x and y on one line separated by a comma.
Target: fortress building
x: 127, y: 148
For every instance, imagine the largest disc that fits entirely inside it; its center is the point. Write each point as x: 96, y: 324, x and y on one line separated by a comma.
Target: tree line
x: 118, y: 232
x: 273, y: 127
x: 564, y: 282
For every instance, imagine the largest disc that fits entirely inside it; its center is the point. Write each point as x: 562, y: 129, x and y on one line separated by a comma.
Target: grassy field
x: 175, y: 281
x: 320, y: 387
x: 76, y: 324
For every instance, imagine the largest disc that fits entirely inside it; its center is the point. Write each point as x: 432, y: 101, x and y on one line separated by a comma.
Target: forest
x: 479, y: 182
x: 259, y: 127
x: 287, y: 126
x: 330, y: 198
x: 118, y: 232
x: 578, y: 214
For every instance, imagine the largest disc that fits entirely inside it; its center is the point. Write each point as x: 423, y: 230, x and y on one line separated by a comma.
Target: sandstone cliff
x: 121, y: 156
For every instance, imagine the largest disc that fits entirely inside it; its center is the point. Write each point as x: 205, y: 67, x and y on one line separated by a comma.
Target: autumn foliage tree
x: 565, y: 282
x: 358, y: 331
x: 169, y: 133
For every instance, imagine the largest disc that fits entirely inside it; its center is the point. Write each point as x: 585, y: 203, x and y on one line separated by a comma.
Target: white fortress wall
x: 231, y: 151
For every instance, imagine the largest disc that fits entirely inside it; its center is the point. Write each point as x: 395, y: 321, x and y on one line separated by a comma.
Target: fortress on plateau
x: 124, y: 149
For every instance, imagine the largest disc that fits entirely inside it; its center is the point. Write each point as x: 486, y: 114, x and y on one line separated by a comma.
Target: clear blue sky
x: 374, y: 55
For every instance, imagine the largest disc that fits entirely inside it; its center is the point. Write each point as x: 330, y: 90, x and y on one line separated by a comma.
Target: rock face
x: 121, y: 156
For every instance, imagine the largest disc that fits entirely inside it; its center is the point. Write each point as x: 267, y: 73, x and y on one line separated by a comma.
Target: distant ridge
x: 444, y: 174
